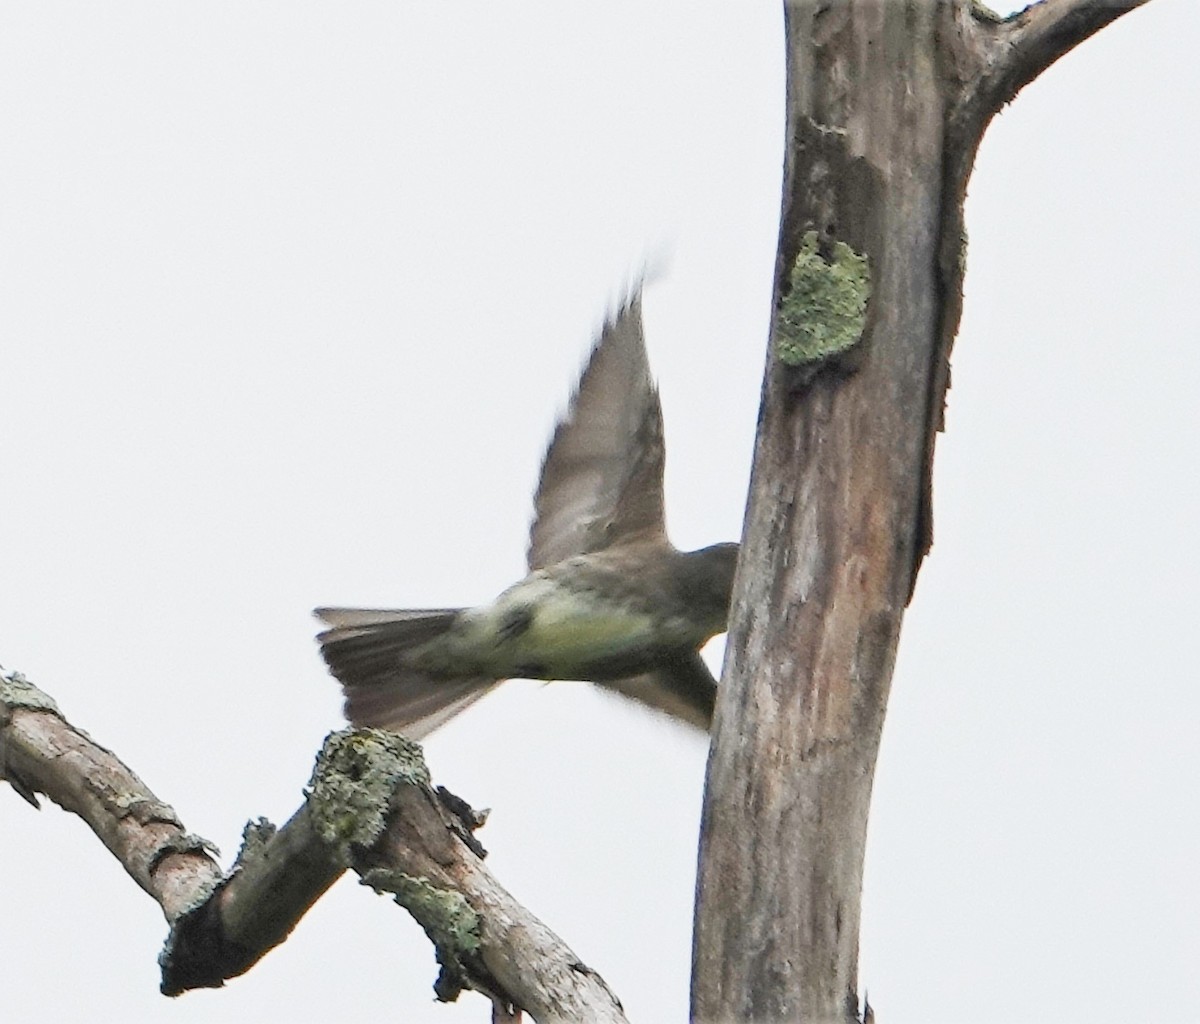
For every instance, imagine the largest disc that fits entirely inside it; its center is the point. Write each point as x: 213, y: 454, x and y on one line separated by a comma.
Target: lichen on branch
x: 447, y: 918
x: 353, y: 782
x: 825, y: 311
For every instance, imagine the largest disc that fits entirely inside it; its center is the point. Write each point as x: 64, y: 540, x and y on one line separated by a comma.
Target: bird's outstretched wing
x: 602, y: 477
x: 684, y: 690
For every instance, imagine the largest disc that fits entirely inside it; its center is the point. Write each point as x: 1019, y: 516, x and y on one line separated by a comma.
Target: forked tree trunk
x: 887, y: 101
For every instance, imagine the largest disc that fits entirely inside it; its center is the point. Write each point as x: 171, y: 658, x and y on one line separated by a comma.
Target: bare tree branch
x: 41, y: 753
x: 484, y: 938
x: 277, y: 876
x: 987, y: 60
x: 369, y: 806
x: 1026, y: 44
x: 221, y: 925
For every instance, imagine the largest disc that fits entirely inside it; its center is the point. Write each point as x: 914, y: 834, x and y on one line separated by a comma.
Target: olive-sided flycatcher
x: 608, y: 598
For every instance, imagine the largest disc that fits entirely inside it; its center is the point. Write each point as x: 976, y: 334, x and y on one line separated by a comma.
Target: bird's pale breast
x: 541, y: 629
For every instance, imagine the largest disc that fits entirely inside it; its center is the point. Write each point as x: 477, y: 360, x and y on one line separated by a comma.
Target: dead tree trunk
x: 887, y: 102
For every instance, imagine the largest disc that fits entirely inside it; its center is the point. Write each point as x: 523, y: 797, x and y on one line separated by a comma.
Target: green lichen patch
x: 18, y: 692
x: 445, y: 914
x: 826, y: 310
x: 353, y: 781
x: 448, y: 920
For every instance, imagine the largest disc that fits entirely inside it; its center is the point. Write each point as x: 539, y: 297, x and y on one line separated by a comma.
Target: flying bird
x: 608, y: 598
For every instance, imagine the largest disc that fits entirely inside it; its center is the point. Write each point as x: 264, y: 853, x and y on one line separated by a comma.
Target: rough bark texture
x: 369, y: 807
x: 887, y: 101
x: 513, y: 957
x: 40, y: 752
x: 278, y: 875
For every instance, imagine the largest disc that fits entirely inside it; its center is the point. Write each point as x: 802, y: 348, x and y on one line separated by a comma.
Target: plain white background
x: 290, y: 295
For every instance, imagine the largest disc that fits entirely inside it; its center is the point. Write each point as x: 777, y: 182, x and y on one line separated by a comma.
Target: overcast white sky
x: 290, y: 295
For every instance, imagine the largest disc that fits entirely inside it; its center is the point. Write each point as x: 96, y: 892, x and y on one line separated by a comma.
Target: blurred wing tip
x: 656, y: 264
x: 654, y: 267
x: 628, y: 301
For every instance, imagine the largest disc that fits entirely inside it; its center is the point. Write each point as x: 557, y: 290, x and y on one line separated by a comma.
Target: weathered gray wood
x: 40, y: 752
x: 370, y: 807
x: 279, y: 875
x: 520, y: 962
x: 417, y: 844
x: 887, y: 100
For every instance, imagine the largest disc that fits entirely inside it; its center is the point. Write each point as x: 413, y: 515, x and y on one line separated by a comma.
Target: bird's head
x: 710, y: 581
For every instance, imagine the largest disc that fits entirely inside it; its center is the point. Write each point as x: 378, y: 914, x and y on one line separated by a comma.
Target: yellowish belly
x: 542, y: 631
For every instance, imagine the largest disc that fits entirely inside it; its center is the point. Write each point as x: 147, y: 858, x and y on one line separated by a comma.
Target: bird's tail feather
x: 366, y: 651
